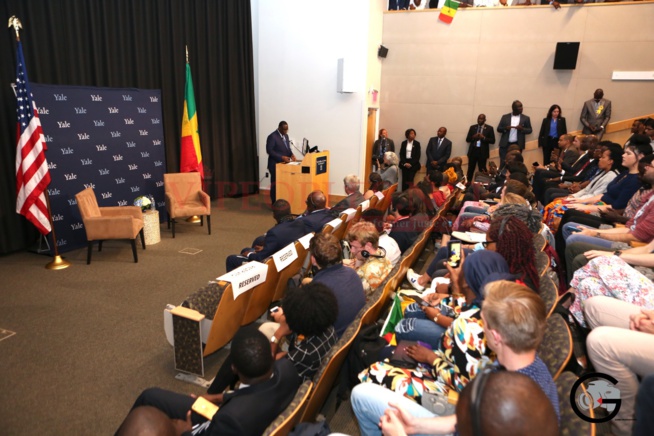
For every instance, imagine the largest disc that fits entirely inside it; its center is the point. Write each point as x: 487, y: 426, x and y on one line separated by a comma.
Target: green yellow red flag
x: 448, y: 11
x: 191, y: 154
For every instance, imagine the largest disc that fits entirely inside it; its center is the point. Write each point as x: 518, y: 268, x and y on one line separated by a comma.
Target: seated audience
x: 317, y: 214
x: 620, y: 344
x: 283, y: 233
x: 425, y: 190
x: 389, y: 170
x: 388, y: 244
x: 354, y: 198
x: 514, y: 321
x: 610, y: 275
x: 439, y: 186
x: 305, y: 322
x: 376, y: 186
x: 427, y: 323
x: 268, y: 387
x: 644, y: 425
x: 369, y: 261
x: 410, y: 219
x: 505, y: 405
x: 327, y: 257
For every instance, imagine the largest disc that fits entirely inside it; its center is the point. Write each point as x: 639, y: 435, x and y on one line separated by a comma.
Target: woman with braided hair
x: 514, y: 241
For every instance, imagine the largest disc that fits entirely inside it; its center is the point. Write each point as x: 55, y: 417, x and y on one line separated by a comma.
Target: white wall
x: 297, y: 44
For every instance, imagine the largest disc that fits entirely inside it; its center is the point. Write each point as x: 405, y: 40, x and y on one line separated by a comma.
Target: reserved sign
x: 335, y: 223
x: 305, y: 240
x: 350, y: 214
x: 285, y: 256
x: 246, y: 277
x: 365, y: 205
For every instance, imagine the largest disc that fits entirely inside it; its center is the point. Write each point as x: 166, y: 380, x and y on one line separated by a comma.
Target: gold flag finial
x: 16, y: 24
x: 186, y: 47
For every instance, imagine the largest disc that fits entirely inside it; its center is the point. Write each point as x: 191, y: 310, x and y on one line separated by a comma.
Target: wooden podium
x: 295, y: 181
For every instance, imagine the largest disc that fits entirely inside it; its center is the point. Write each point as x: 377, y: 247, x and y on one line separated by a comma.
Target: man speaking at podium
x: 278, y: 147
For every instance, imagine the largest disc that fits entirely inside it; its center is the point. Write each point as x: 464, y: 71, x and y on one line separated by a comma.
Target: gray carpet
x: 90, y: 338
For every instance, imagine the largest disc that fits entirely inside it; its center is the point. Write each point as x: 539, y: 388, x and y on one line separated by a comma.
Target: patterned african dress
x: 462, y: 354
x: 612, y: 277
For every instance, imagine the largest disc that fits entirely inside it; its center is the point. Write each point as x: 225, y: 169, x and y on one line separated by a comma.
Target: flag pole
x: 58, y: 262
x: 194, y: 218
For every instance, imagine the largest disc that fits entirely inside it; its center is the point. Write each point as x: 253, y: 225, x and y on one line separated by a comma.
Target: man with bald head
x: 317, y: 214
x: 480, y: 137
x: 514, y: 127
x: 595, y: 114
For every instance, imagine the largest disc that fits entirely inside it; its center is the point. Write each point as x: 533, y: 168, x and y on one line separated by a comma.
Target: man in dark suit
x: 278, y: 147
x: 317, y: 214
x: 409, y: 158
x: 513, y: 127
x: 439, y: 150
x: 381, y: 146
x: 595, y: 114
x: 480, y: 137
x: 283, y: 233
x: 354, y: 196
x: 271, y: 386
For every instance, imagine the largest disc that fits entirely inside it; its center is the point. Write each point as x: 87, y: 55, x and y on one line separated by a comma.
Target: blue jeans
x: 415, y: 326
x: 369, y: 401
x: 589, y: 240
x: 569, y: 228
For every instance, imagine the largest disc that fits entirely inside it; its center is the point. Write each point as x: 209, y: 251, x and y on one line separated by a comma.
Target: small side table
x: 151, y: 227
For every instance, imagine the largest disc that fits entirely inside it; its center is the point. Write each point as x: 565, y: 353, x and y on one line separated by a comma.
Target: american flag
x: 32, y: 175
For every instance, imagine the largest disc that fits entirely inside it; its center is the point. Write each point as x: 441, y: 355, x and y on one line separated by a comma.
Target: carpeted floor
x: 90, y: 338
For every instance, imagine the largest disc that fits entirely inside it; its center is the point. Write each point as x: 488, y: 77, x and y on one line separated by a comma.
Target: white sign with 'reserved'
x: 285, y: 256
x: 245, y: 277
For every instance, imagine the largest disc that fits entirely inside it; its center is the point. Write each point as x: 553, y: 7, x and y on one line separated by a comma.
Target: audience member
x: 439, y: 150
x: 317, y: 214
x: 376, y: 186
x: 267, y: 388
x: 382, y: 145
x: 644, y: 425
x: 370, y: 263
x: 410, y: 219
x: 351, y: 184
x: 389, y: 171
x: 327, y: 257
x: 514, y: 321
x: 388, y: 244
x: 480, y: 137
x: 409, y: 158
x: 649, y: 130
x: 514, y: 127
x: 620, y: 344
x: 551, y: 130
x: 595, y: 114
x: 283, y: 233
x: 149, y: 421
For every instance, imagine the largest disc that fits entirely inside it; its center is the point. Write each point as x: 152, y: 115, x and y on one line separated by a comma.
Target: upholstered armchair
x: 115, y: 222
x: 184, y: 197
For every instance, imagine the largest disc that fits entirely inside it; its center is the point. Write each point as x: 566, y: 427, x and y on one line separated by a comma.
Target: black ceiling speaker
x: 565, y: 57
x: 382, y: 52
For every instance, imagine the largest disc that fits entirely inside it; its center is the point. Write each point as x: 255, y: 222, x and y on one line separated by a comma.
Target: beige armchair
x: 184, y: 197
x: 101, y: 223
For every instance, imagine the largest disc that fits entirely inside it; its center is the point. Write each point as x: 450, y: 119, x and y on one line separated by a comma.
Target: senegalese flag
x: 448, y: 11
x: 191, y: 154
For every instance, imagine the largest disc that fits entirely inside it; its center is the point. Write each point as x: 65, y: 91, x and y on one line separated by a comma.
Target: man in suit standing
x: 381, y: 146
x: 513, y: 127
x: 595, y: 114
x: 409, y: 158
x: 278, y: 147
x: 480, y: 137
x: 439, y: 150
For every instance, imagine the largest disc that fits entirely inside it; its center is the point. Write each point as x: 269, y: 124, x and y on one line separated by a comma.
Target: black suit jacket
x: 276, y: 149
x: 279, y: 237
x: 582, y: 164
x: 315, y: 221
x: 434, y: 153
x: 390, y: 146
x: 489, y: 139
x: 250, y: 410
x: 503, y: 128
x: 351, y: 201
x: 415, y: 157
x: 561, y: 129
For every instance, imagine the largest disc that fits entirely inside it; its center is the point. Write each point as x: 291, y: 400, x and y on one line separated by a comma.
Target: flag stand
x: 193, y: 219
x: 58, y: 262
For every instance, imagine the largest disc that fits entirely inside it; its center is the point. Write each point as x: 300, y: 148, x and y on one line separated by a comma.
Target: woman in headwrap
x: 427, y: 323
x: 462, y: 350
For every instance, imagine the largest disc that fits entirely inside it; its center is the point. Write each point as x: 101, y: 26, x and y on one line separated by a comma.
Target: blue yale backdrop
x: 109, y: 139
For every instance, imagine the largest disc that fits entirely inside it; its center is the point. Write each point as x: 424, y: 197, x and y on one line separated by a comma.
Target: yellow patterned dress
x: 462, y: 354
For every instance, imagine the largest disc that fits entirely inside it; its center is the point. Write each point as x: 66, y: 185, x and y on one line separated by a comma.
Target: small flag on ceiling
x: 448, y: 11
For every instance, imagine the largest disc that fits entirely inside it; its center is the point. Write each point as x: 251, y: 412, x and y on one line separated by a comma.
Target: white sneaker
x: 412, y: 277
